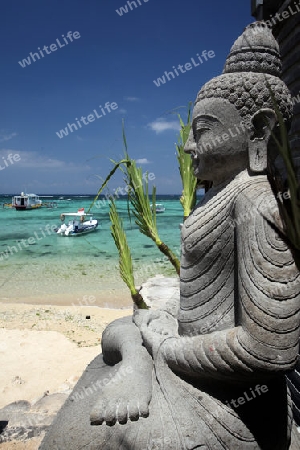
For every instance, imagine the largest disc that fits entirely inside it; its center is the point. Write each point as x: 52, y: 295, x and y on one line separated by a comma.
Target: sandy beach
x: 44, y: 349
x: 70, y: 283
x: 46, y: 343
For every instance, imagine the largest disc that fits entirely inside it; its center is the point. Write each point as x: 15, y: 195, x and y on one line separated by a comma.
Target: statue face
x: 218, y: 140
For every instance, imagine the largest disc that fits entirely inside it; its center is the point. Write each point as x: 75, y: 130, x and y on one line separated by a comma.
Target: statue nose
x: 190, y: 145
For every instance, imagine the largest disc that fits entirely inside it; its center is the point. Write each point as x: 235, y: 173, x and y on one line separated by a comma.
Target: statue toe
x: 144, y: 409
x: 133, y: 410
x: 122, y: 413
x: 96, y: 417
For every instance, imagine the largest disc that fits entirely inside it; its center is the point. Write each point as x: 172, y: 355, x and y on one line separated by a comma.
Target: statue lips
x: 196, y: 161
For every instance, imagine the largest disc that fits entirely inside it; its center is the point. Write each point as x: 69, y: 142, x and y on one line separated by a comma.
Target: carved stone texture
x: 286, y: 29
x: 209, y: 375
x: 255, y: 51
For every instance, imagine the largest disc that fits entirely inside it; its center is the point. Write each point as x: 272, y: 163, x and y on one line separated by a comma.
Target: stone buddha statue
x: 207, y: 371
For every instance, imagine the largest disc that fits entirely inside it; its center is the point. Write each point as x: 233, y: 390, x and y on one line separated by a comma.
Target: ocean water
x: 35, y: 261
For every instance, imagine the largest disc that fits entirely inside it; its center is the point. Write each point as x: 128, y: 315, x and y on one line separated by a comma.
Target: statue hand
x: 156, y: 327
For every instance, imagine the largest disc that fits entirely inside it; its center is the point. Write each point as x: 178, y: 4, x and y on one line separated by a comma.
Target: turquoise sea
x: 63, y: 269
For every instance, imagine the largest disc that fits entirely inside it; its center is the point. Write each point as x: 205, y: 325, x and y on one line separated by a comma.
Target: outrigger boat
x: 77, y: 226
x: 26, y: 201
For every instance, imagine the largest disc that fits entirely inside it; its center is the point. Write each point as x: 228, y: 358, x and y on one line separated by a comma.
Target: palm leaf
x: 111, y: 173
x: 189, y: 181
x: 125, y: 260
x: 145, y: 215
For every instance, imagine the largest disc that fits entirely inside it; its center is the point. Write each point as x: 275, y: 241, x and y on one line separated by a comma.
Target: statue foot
x: 123, y: 399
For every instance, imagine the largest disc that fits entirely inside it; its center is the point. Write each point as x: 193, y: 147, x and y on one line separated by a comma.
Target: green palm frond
x: 189, y: 181
x: 145, y: 218
x: 111, y: 173
x: 125, y: 260
x: 145, y: 215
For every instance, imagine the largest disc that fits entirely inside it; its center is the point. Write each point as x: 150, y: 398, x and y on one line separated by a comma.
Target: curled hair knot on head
x: 251, y: 70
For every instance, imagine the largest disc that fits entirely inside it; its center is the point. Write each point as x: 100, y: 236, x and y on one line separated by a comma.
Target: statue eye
x: 199, y: 132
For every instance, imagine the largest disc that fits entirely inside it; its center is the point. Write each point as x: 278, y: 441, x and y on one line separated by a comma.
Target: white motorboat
x: 159, y: 207
x: 26, y: 201
x: 80, y: 223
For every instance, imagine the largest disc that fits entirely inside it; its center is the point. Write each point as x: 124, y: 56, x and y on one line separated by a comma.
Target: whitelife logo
x: 9, y: 160
x: 49, y: 229
x: 284, y: 15
x: 124, y: 9
x: 86, y: 119
x: 53, y: 47
x: 205, y: 56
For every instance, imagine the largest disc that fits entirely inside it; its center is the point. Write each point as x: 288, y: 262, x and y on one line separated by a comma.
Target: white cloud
x: 142, y: 161
x: 132, y: 99
x: 160, y: 125
x: 122, y: 111
x: 34, y: 160
x: 6, y: 137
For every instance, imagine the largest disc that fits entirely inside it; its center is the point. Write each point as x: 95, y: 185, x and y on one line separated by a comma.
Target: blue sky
x: 115, y: 59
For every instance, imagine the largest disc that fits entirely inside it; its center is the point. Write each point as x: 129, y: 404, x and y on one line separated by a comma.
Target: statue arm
x: 265, y: 338
x: 122, y: 341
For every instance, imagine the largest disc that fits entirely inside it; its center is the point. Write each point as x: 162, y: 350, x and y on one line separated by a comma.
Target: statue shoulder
x: 255, y: 203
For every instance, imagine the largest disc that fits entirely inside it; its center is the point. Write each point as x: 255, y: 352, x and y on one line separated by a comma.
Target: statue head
x: 234, y: 117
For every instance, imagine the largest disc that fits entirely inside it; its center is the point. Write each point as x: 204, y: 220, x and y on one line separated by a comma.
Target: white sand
x: 46, y: 348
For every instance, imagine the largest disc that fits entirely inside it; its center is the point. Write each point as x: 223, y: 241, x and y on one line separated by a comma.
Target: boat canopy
x: 78, y: 214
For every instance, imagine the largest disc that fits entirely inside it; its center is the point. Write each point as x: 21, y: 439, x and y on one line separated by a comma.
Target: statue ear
x: 263, y: 122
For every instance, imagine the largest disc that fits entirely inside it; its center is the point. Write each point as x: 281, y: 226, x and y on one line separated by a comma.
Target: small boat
x: 159, y: 207
x: 26, y: 201
x: 50, y: 205
x: 77, y: 226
